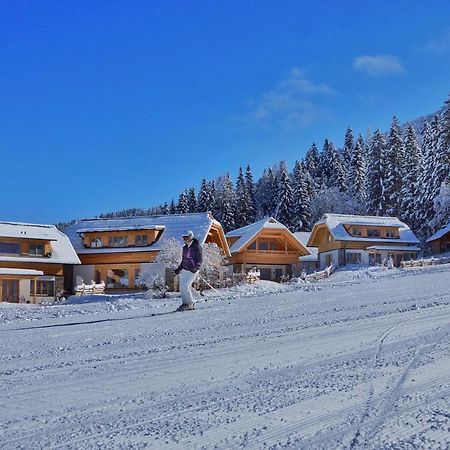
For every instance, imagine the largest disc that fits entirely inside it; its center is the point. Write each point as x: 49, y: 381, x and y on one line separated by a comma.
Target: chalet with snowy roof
x: 34, y: 262
x: 440, y: 241
x: 308, y: 263
x: 267, y: 245
x: 366, y: 240
x: 118, y: 250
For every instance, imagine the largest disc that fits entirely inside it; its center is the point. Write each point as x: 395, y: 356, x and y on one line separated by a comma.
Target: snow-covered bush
x: 158, y: 276
x: 154, y: 277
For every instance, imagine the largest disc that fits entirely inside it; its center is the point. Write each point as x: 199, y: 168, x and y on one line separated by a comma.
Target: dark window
x: 390, y: 234
x: 141, y: 240
x: 373, y: 233
x: 252, y: 246
x: 10, y: 248
x: 353, y: 258
x: 356, y: 232
x: 36, y: 249
x: 117, y: 278
x: 118, y: 241
x: 263, y: 245
x: 44, y: 288
x: 96, y: 242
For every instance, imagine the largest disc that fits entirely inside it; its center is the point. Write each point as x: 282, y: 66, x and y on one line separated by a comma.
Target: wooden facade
x: 274, y: 251
x: 119, y: 256
x: 441, y: 245
x: 22, y: 256
x: 363, y: 244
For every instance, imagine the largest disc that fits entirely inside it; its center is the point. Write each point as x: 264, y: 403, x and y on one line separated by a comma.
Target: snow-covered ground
x: 361, y: 360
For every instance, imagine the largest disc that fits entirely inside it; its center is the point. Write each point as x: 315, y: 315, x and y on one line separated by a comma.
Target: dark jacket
x: 192, y: 257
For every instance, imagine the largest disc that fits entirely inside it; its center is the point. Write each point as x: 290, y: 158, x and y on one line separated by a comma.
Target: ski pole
x: 215, y: 290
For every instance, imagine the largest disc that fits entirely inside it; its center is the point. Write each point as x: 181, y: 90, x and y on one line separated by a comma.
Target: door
x: 10, y: 291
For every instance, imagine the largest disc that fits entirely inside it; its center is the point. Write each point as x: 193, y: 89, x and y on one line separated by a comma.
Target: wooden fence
x: 425, y: 262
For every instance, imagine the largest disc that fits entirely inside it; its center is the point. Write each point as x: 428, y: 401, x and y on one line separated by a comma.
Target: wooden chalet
x: 267, y: 245
x: 34, y: 262
x: 365, y: 240
x: 440, y: 241
x: 118, y: 250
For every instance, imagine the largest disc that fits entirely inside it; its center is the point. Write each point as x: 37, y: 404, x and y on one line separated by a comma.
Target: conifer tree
x: 285, y: 208
x: 374, y: 178
x: 347, y: 153
x: 165, y: 209
x: 312, y: 163
x: 172, y: 207
x: 242, y: 201
x: 183, y: 206
x: 191, y: 200
x: 301, y: 198
x: 424, y: 206
x: 357, y: 173
x: 411, y: 164
x: 250, y: 188
x: 226, y: 204
x: 393, y: 158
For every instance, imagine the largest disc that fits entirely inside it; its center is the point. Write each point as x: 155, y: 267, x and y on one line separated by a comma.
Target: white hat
x: 188, y: 233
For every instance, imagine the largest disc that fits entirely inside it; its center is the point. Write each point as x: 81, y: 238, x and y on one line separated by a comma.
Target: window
x: 141, y: 240
x: 263, y: 245
x: 117, y: 278
x: 36, y: 249
x: 356, y: 232
x: 137, y: 278
x: 373, y: 233
x: 375, y: 259
x: 10, y: 248
x: 96, y: 242
x: 353, y: 258
x: 118, y: 241
x: 390, y: 234
x: 252, y: 246
x: 44, y: 288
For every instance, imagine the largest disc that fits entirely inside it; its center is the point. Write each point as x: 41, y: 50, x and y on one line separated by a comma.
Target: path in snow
x: 361, y: 363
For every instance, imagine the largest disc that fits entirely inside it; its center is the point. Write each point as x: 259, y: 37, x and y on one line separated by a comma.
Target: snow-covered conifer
x: 301, y: 197
x: 183, y: 206
x: 374, y: 174
x: 285, y: 209
x: 393, y: 160
x: 410, y: 174
x: 250, y: 187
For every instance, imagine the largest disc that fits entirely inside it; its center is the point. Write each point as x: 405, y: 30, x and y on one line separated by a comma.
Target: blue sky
x: 116, y: 104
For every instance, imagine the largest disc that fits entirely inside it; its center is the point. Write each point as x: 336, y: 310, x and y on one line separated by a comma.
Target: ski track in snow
x: 361, y: 360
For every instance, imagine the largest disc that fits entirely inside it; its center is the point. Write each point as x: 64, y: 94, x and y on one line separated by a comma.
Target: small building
x: 440, y: 241
x: 267, y: 245
x: 366, y: 240
x: 118, y: 250
x: 35, y: 262
x: 308, y: 263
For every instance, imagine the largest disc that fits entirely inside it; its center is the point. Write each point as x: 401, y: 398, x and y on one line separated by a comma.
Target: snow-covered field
x: 361, y: 360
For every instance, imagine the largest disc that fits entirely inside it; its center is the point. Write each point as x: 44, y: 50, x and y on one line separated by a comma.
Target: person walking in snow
x: 188, y: 269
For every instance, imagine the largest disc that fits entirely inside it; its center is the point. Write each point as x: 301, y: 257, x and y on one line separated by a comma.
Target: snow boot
x: 186, y: 307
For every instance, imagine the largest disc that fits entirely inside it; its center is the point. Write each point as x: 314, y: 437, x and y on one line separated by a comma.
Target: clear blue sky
x: 116, y: 104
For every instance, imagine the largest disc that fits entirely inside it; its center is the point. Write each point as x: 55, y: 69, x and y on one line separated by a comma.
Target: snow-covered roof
x: 336, y: 222
x: 249, y: 232
x: 394, y: 248
x: 62, y: 250
x: 173, y: 225
x: 440, y: 233
x: 303, y: 237
x: 26, y: 231
x: 29, y: 272
x: 119, y: 228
